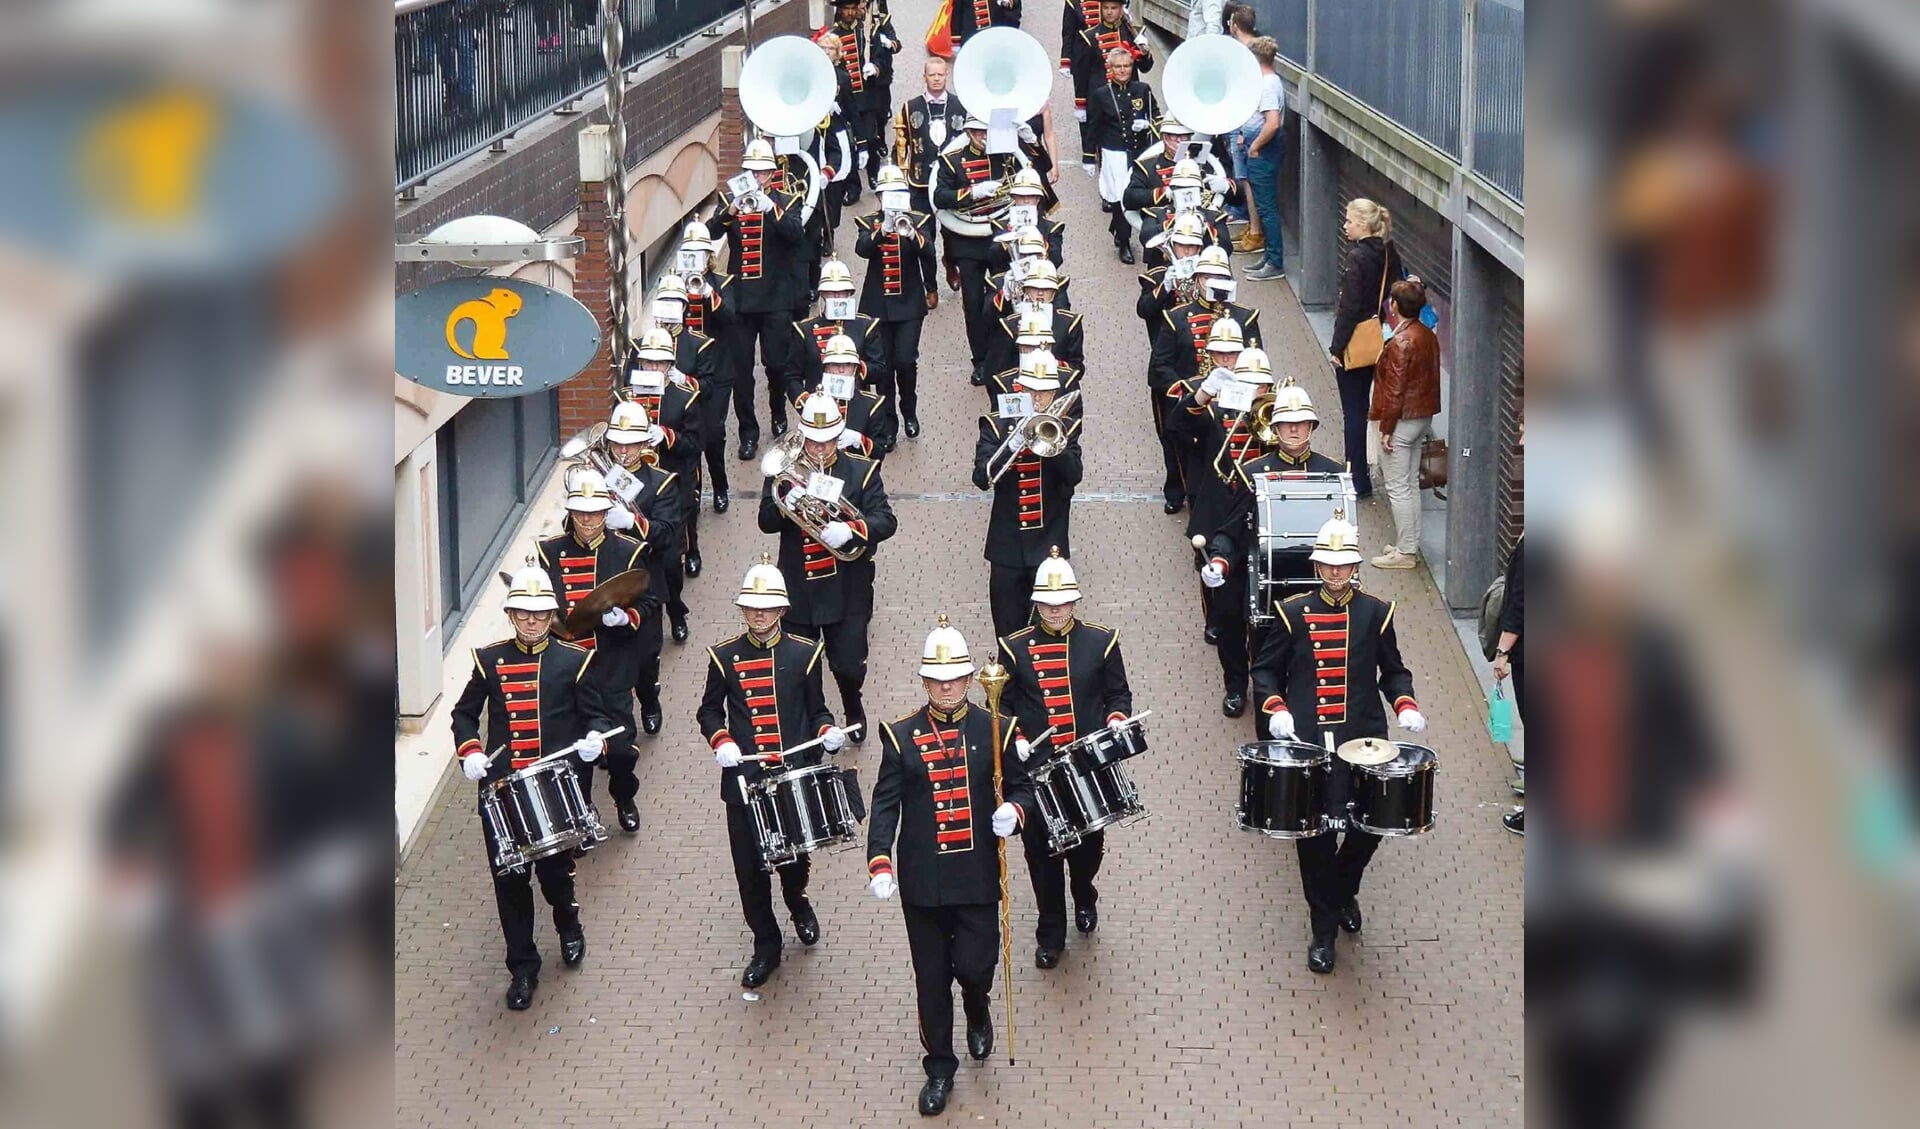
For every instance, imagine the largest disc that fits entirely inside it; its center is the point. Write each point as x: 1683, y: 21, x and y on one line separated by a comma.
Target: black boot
x: 520, y: 992
x: 933, y: 1096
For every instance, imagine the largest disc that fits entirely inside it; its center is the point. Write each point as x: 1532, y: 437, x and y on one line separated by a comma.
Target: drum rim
x: 797, y: 773
x: 1395, y: 832
x: 1415, y: 768
x: 533, y: 770
x: 1321, y: 755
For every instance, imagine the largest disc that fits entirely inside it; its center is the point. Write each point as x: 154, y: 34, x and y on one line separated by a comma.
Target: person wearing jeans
x: 1406, y: 397
x: 1260, y: 135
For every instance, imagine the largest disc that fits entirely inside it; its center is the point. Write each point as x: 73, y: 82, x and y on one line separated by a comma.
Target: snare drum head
x: 1365, y: 751
x: 1285, y: 753
x: 1407, y: 760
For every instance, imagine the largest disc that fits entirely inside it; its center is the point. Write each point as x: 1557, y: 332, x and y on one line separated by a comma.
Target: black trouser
x: 1117, y: 225
x: 951, y: 943
x: 1010, y: 595
x: 513, y: 894
x: 756, y: 885
x: 1172, y: 447
x: 974, y: 296
x: 1049, y: 874
x: 713, y: 419
x: 900, y: 341
x: 846, y: 644
x: 1228, y: 617
x: 1330, y: 874
x: 1356, y: 399
x: 870, y: 128
x: 923, y: 203
x: 774, y: 332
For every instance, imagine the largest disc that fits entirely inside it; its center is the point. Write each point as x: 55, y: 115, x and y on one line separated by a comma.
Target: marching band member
x: 1165, y: 286
x: 671, y: 397
x: 655, y: 514
x: 1224, y: 439
x: 936, y: 783
x: 1026, y: 248
x: 922, y: 129
x: 768, y: 240
x: 812, y: 334
x: 534, y: 690
x: 1156, y: 223
x: 864, y: 410
x: 879, y: 93
x: 1174, y: 365
x: 1294, y: 421
x: 834, y: 598
x: 1039, y: 322
x: 1120, y: 116
x: 965, y: 176
x: 900, y: 287
x: 1328, y: 662
x: 1067, y: 673
x: 710, y: 311
x: 627, y: 641
x: 863, y: 92
x: 1087, y: 61
x: 1032, y: 501
x: 764, y: 685
x: 970, y: 16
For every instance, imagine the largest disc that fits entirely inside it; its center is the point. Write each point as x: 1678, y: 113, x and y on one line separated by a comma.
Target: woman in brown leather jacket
x: 1406, y: 397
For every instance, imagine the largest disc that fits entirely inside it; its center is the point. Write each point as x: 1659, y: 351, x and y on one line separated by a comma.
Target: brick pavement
x: 1192, y: 1004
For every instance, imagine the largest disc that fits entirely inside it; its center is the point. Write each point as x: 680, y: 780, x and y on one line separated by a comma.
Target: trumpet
x: 1043, y: 433
x: 787, y: 464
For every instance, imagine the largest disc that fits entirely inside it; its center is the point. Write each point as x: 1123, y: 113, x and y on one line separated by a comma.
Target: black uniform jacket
x: 661, y: 507
x: 921, y: 153
x: 536, y: 700
x: 953, y: 175
x: 902, y: 273
x: 1087, y: 58
x: 1032, y: 502
x: 1331, y: 664
x: 576, y: 569
x: 1111, y: 111
x: 674, y: 408
x: 1225, y: 439
x: 711, y: 312
x: 763, y: 697
x: 1000, y: 383
x: 970, y: 16
x: 1229, y: 544
x: 1069, y: 341
x: 1075, y: 681
x: 810, y: 344
x: 1179, y: 349
x: 768, y: 255
x: 935, y: 794
x: 860, y: 411
x: 823, y: 588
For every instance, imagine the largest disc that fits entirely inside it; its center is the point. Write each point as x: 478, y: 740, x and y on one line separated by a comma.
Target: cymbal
x: 618, y: 592
x: 1367, y: 750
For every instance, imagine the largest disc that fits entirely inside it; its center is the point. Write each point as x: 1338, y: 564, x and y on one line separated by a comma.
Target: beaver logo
x: 489, y: 317
x: 145, y: 162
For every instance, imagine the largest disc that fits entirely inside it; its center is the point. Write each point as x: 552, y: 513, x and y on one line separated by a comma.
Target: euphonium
x: 787, y: 464
x: 1260, y: 418
x: 1043, y: 433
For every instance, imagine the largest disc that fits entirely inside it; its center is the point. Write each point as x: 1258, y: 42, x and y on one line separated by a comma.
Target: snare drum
x: 1282, y: 787
x: 1288, y: 511
x: 1078, y: 798
x: 538, y: 811
x: 801, y: 810
x: 1106, y: 746
x: 1395, y: 798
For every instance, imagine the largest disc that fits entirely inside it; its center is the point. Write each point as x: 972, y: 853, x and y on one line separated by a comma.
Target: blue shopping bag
x: 1499, y: 715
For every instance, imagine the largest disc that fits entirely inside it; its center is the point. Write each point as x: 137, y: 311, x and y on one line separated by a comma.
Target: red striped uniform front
x: 750, y: 236
x: 577, y: 578
x: 823, y: 334
x: 850, y: 58
x: 1031, y: 510
x: 1327, y: 631
x: 1056, y: 688
x: 945, y: 754
x: 697, y: 312
x: 1200, y: 326
x: 982, y: 15
x: 520, y: 686
x: 890, y: 265
x: 756, y: 682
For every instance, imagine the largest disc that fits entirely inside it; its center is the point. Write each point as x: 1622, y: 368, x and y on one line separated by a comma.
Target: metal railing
x: 1499, y: 94
x: 1402, y: 57
x: 467, y: 73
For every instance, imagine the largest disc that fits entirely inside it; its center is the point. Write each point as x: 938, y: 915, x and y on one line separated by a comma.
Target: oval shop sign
x: 489, y: 336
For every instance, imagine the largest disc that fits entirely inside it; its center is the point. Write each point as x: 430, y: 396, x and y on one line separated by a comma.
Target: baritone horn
x: 786, y: 87
x: 787, y: 464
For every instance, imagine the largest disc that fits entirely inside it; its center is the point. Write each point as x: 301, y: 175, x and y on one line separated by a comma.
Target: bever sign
x: 491, y: 336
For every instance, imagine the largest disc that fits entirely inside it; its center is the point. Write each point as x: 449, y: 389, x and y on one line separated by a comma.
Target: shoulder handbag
x: 1370, y: 337
x: 1433, y: 464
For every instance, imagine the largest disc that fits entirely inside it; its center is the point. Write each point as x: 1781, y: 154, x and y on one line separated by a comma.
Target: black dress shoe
x: 1320, y: 956
x: 1043, y: 957
x: 779, y: 428
x: 1086, y: 918
x: 573, y: 949
x: 1350, y: 916
x: 980, y: 1041
x: 1233, y: 705
x: 1126, y: 254
x: 520, y: 992
x: 1212, y: 637
x: 650, y: 720
x: 1174, y: 507
x: 749, y: 448
x: 693, y: 563
x: 808, y: 929
x: 933, y: 1096
x: 758, y: 969
x: 978, y: 378
x: 680, y: 630
x: 721, y: 500
x: 887, y: 445
x: 629, y: 815
x: 913, y: 427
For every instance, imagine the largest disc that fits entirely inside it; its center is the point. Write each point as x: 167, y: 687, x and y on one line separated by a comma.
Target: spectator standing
x: 1264, y: 145
x: 1406, y: 397
x: 1373, y: 263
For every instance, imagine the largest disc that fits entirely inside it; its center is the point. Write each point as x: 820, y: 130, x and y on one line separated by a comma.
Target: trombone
x: 1044, y: 433
x: 787, y: 464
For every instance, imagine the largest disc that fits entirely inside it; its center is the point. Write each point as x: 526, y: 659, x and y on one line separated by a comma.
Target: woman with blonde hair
x: 1373, y: 264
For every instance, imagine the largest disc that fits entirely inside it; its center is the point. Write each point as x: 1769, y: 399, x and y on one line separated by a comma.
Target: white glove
x: 1212, y: 575
x: 984, y: 189
x: 656, y: 434
x: 1080, y: 116
x: 619, y: 517
x: 1022, y: 748
x: 1006, y: 820
x: 1027, y: 134
x: 1412, y: 721
x: 727, y: 755
x: 1219, y: 184
x: 870, y: 70
x: 474, y: 766
x: 1281, y: 726
x: 590, y: 747
x: 615, y: 617
x: 836, y: 534
x: 883, y: 886
x: 1216, y: 382
x: 1088, y: 168
x: 1140, y: 125
x: 849, y: 439
x: 834, y: 739
x: 1067, y: 72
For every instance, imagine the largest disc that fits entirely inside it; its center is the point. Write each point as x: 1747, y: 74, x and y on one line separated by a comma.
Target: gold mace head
x: 992, y: 677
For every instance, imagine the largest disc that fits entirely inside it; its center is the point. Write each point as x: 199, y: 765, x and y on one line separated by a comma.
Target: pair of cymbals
x: 1367, y: 751
x: 617, y: 592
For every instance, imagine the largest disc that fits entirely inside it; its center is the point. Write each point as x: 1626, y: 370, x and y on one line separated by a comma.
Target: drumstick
x: 803, y: 746
x: 575, y: 747
x: 1199, y: 542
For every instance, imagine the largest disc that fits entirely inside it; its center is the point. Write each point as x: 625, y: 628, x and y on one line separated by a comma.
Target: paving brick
x: 1191, y: 1005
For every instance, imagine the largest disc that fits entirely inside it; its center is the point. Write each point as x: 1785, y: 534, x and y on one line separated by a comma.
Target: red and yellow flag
x: 940, y: 35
